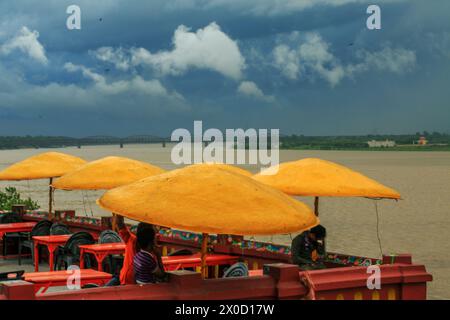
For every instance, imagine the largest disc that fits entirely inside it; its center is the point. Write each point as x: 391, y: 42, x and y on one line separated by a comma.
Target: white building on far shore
x: 379, y: 144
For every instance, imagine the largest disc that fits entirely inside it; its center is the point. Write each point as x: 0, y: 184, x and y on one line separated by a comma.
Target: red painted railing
x: 280, y: 281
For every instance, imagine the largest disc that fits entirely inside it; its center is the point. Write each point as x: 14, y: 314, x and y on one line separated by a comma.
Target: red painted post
x: 414, y: 282
x: 186, y: 284
x: 287, y: 279
x: 17, y: 290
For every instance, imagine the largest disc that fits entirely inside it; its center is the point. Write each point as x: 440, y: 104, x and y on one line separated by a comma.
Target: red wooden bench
x: 60, y: 278
x: 173, y: 263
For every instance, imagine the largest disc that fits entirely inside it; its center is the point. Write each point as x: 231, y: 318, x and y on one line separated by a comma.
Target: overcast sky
x: 148, y: 67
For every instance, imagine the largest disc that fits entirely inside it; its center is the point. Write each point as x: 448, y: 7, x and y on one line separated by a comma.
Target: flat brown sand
x: 418, y: 224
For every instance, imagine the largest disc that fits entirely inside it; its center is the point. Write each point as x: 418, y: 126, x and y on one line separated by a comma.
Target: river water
x: 419, y: 224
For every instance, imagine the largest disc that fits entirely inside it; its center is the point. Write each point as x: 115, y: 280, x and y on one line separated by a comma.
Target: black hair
x: 145, y: 235
x: 319, y: 231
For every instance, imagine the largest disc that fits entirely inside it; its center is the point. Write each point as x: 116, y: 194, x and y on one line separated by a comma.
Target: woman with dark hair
x: 147, y: 263
x: 146, y: 233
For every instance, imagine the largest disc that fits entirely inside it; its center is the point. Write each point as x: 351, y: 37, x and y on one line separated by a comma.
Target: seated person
x: 126, y: 273
x: 308, y: 249
x: 147, y: 263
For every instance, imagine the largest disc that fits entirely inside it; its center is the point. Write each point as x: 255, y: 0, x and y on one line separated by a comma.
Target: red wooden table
x: 100, y: 252
x: 16, y: 227
x: 172, y: 263
x: 52, y: 243
x: 61, y: 278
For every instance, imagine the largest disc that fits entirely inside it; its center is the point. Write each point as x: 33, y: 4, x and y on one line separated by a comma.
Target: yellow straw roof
x: 316, y: 177
x: 106, y: 173
x: 41, y: 166
x: 226, y: 167
x: 209, y: 200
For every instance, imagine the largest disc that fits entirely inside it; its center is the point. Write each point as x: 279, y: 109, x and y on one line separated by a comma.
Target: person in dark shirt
x: 308, y: 249
x: 147, y: 263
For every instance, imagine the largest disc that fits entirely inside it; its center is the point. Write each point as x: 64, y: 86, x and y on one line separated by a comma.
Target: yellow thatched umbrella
x: 316, y: 177
x: 207, y: 199
x: 42, y: 166
x: 106, y: 173
x: 226, y: 167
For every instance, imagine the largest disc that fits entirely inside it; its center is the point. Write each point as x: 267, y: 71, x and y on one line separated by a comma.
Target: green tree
x: 11, y: 197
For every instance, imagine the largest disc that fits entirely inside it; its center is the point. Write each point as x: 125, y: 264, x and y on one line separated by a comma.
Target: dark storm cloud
x: 303, y: 66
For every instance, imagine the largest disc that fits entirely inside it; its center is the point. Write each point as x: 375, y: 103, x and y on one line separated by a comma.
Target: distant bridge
x: 135, y: 139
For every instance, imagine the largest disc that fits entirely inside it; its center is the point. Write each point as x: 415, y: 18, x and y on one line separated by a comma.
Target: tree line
x: 358, y: 142
x: 286, y: 141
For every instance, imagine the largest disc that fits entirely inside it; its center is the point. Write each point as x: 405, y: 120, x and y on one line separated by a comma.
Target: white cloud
x: 315, y: 55
x: 27, y: 42
x: 118, y: 57
x: 313, y: 58
x: 135, y: 85
x: 250, y: 88
x: 287, y: 61
x: 208, y: 48
x: 395, y: 60
x: 87, y: 73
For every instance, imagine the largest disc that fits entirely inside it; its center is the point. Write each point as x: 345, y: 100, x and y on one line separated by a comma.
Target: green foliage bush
x: 11, y: 197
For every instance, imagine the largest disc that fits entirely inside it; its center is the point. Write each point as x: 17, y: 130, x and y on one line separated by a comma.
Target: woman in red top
x: 127, y: 272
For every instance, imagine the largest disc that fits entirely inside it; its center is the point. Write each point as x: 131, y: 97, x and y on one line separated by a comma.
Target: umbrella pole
x: 50, y: 200
x: 114, y: 222
x: 316, y: 212
x: 203, y: 254
x: 316, y: 206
